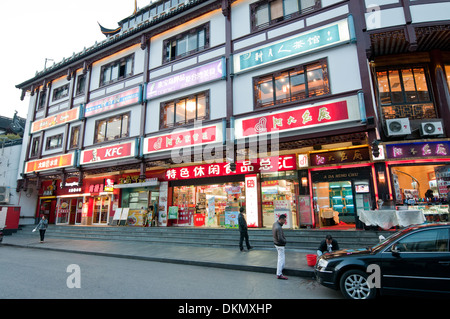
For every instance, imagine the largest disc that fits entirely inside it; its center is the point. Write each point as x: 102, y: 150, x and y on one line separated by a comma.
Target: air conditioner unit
x: 431, y: 128
x: 398, y: 127
x: 4, y: 194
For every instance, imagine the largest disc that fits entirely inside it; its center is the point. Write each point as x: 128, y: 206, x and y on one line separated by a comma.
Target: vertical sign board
x: 251, y: 200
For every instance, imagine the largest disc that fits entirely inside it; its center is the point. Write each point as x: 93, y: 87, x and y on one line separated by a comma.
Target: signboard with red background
x: 107, y: 153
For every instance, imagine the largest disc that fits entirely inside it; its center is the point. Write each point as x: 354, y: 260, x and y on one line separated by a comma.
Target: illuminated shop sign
x: 304, y: 117
x: 418, y: 150
x: 183, y: 138
x: 260, y: 165
x: 199, y: 75
x: 49, y: 163
x: 114, y: 102
x: 56, y: 120
x: 107, y: 153
x: 342, y: 156
x: 303, y: 43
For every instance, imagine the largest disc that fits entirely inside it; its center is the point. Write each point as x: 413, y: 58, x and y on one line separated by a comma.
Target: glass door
x: 79, y: 211
x: 101, y: 210
x: 63, y: 211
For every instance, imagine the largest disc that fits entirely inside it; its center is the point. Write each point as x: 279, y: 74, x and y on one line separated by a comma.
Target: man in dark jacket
x: 279, y: 241
x: 327, y: 245
x: 243, y: 230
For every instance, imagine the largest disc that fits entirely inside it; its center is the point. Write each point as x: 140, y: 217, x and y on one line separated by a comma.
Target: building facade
x: 192, y: 109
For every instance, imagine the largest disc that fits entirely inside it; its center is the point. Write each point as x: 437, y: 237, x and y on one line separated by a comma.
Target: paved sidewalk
x: 258, y: 260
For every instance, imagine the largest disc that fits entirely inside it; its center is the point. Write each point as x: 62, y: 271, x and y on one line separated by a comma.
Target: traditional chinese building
x: 195, y: 108
x: 408, y: 48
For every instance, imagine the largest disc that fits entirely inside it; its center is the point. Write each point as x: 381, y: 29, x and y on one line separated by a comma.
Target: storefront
x: 419, y: 176
x: 341, y: 183
x: 141, y: 197
x: 209, y: 195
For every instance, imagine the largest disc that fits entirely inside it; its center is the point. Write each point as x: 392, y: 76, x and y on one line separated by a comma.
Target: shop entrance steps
x: 211, y: 237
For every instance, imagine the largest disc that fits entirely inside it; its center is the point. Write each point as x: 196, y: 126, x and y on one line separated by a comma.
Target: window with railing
x: 404, y: 92
x: 268, y: 12
x: 299, y: 83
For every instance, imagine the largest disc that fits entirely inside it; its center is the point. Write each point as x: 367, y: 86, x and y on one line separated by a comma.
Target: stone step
x: 259, y: 238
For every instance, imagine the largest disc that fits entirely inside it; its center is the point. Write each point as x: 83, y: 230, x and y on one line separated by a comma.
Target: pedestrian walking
x: 280, y: 242
x: 243, y: 230
x: 42, y: 226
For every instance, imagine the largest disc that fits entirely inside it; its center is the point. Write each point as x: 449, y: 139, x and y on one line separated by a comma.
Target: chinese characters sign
x: 293, y: 119
x: 202, y: 74
x: 113, y: 102
x: 349, y: 155
x: 56, y: 120
x: 416, y: 150
x: 260, y: 165
x: 179, y: 138
x: 300, y: 44
x: 107, y: 153
x: 50, y: 163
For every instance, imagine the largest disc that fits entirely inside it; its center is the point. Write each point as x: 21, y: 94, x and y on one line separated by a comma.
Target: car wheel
x: 354, y: 285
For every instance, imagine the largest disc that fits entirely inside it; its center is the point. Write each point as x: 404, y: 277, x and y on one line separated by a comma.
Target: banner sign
x: 107, y: 153
x: 183, y: 138
x: 199, y: 75
x: 292, y: 119
x: 114, y: 102
x: 303, y: 43
x: 260, y: 165
x: 56, y: 120
x: 418, y: 150
x: 50, y: 163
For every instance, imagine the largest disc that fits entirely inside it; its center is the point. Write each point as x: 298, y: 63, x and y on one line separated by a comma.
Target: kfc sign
x: 260, y: 165
x: 108, y: 153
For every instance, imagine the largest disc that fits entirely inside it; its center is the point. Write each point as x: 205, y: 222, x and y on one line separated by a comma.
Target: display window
x: 215, y: 205
x: 278, y: 197
x: 423, y: 187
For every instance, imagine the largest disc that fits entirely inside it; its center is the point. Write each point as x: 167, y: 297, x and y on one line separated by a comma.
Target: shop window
x: 117, y: 70
x: 186, y: 43
x: 265, y: 13
x: 112, y: 128
x: 61, y: 92
x: 75, y: 137
x: 278, y: 197
x: 299, y: 83
x: 53, y: 142
x: 405, y: 92
x: 208, y: 205
x: 185, y: 110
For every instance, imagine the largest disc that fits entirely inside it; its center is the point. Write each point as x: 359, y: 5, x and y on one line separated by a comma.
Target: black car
x: 414, y: 260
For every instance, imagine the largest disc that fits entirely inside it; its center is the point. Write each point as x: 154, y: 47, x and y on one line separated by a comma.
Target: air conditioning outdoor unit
x: 398, y: 127
x: 431, y: 128
x: 4, y: 194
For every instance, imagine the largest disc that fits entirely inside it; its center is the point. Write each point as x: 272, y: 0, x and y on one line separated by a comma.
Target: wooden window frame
x: 256, y: 5
x: 163, y: 125
x: 127, y: 134
x: 292, y: 98
x: 167, y: 44
x: 72, y: 130
x: 404, y: 107
x: 116, y: 63
x: 59, y: 137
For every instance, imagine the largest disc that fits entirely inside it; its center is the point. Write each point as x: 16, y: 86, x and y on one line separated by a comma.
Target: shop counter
x: 388, y: 218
